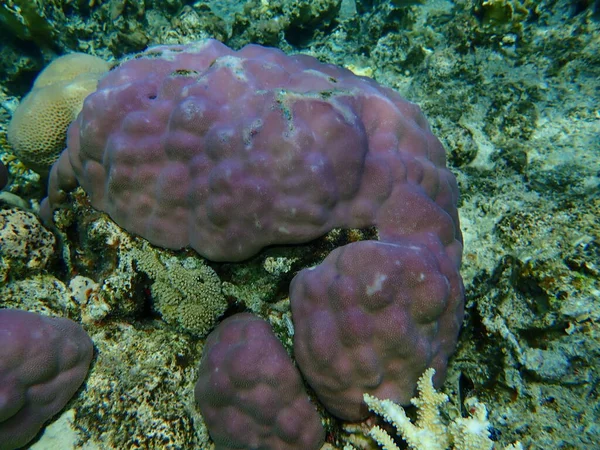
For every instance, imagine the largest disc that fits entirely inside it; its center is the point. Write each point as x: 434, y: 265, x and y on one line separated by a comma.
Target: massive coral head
x: 232, y: 151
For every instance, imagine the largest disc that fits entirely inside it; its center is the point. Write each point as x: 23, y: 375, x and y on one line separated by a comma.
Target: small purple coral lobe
x: 43, y: 361
x: 250, y: 393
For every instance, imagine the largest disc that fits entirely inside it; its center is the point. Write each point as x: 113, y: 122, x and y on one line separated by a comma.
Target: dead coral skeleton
x: 430, y: 432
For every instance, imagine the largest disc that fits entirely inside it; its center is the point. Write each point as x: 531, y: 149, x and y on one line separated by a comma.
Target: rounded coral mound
x: 250, y: 393
x: 43, y: 361
x: 37, y: 131
x: 231, y: 151
x: 370, y: 319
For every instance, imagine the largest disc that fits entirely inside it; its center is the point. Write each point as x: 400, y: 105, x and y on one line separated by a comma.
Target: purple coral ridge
x: 3, y: 175
x: 43, y: 361
x: 249, y: 392
x: 231, y: 151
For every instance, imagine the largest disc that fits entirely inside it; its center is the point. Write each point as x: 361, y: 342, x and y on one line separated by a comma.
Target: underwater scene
x: 299, y: 225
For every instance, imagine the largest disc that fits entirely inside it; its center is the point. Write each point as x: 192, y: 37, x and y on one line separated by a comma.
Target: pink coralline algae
x: 231, y: 151
x: 43, y: 361
x: 251, y: 394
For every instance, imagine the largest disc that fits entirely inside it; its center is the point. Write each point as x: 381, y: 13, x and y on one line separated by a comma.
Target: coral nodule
x: 250, y: 393
x: 43, y: 361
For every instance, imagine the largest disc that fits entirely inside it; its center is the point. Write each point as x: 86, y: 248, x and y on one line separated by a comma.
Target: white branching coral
x: 430, y: 432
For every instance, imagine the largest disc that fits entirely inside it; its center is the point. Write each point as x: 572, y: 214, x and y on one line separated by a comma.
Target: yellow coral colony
x: 430, y: 432
x: 37, y: 131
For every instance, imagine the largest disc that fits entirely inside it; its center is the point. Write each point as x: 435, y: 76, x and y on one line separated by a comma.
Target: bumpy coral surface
x: 230, y: 151
x: 250, y: 393
x: 371, y: 318
x: 43, y: 361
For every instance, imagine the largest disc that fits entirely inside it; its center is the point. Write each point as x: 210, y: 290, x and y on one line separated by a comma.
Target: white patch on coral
x: 377, y: 284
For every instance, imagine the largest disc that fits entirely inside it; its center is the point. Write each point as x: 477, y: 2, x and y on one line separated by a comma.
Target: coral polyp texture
x: 231, y: 151
x: 38, y: 126
x: 250, y: 393
x: 43, y: 361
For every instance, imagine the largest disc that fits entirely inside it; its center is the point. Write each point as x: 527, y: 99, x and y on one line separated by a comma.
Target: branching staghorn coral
x: 430, y: 432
